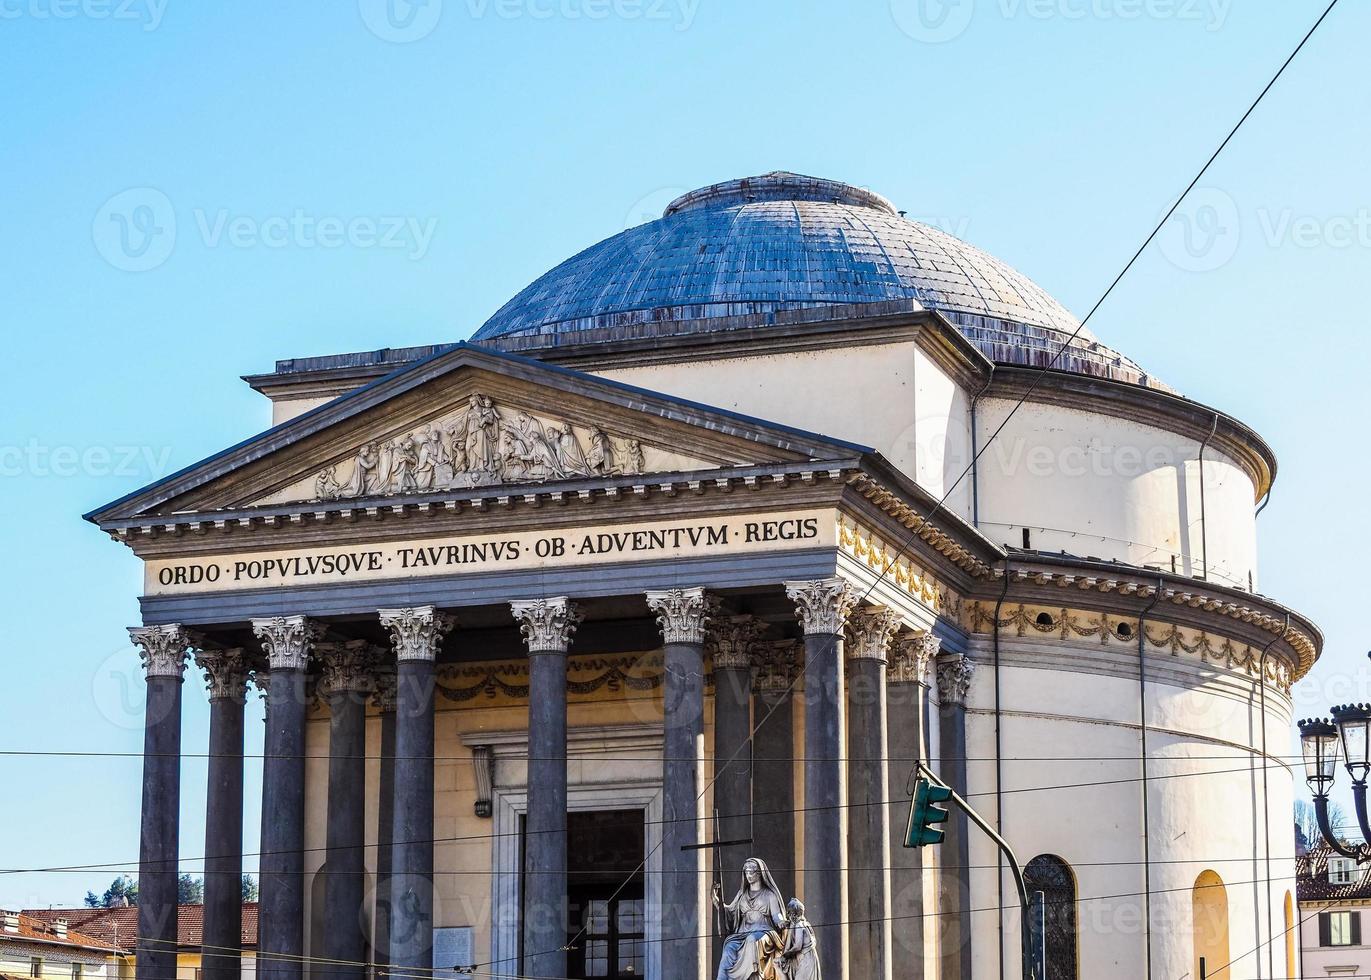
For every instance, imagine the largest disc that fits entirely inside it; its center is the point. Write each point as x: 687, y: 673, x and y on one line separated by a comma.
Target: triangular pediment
x: 469, y: 419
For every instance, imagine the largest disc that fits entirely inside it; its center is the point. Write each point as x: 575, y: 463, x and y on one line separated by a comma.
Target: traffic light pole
x: 1032, y: 930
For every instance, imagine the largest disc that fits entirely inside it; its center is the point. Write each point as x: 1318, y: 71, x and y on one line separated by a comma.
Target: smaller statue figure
x: 363, y: 481
x: 404, y: 458
x: 571, y: 458
x: 326, y: 485
x: 600, y: 458
x: 799, y: 957
x: 633, y: 458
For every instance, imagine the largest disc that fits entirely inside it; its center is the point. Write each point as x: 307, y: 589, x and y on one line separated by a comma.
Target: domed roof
x: 783, y: 241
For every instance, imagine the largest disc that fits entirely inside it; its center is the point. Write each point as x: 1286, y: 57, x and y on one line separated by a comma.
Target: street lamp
x: 1322, y: 742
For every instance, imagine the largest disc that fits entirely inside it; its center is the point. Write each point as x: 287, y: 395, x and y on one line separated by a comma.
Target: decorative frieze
x: 348, y: 667
x: 822, y: 604
x: 287, y: 640
x: 483, y: 444
x: 681, y: 614
x: 586, y: 677
x: 732, y: 640
x: 896, y: 566
x: 912, y: 656
x: 954, y: 678
x: 547, y: 624
x: 163, y: 649
x: 226, y: 673
x: 870, y: 631
x: 417, y: 633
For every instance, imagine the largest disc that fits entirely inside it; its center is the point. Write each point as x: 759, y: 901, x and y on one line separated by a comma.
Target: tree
x: 190, y: 891
x: 123, y: 890
x: 1307, y: 822
x: 249, y: 888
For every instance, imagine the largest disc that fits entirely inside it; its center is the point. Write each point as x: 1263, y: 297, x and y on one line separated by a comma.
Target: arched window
x: 1209, y: 904
x: 1052, y: 876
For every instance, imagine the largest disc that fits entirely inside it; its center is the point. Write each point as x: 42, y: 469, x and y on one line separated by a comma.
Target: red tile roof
x: 42, y: 929
x: 119, y: 926
x: 1313, y: 885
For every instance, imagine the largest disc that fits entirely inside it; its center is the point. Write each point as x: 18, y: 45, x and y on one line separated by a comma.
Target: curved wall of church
x: 1072, y: 789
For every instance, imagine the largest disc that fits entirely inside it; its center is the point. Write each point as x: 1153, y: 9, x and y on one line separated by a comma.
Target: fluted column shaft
x: 823, y: 606
x: 868, y: 906
x: 417, y: 635
x: 546, y: 625
x: 345, y: 684
x: 222, y: 933
x: 732, y: 639
x: 163, y: 649
x: 773, y: 744
x: 681, y: 614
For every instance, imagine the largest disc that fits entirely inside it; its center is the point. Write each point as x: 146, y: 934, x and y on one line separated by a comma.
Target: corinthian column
x: 868, y: 831
x: 681, y: 614
x: 954, y: 673
x: 822, y: 607
x: 546, y: 625
x: 418, y: 636
x: 287, y: 642
x: 226, y: 675
x: 732, y: 639
x: 164, y: 650
x: 345, y: 683
x: 907, y: 679
x: 773, y: 750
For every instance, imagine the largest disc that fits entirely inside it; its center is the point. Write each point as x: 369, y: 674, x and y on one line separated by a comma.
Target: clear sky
x: 318, y: 177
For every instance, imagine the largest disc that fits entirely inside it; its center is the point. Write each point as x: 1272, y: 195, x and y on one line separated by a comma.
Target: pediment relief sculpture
x: 483, y: 444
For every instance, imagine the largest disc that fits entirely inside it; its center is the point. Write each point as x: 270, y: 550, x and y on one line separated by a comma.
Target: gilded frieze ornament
x: 417, y: 633
x: 682, y: 614
x: 870, y: 631
x: 822, y: 604
x: 547, y: 624
x: 287, y: 640
x: 954, y: 678
x: 163, y: 649
x: 226, y: 673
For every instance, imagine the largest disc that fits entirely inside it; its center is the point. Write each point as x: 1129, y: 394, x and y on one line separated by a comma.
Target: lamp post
x: 1322, y: 742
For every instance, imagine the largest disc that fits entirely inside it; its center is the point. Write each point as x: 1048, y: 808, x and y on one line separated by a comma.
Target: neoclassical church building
x: 687, y: 557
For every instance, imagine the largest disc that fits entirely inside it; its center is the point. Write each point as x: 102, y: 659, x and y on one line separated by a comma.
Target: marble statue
x: 799, y: 957
x: 756, y: 918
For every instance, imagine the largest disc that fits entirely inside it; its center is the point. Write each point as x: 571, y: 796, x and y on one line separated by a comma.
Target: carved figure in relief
x: 633, y: 458
x: 456, y: 433
x: 433, y: 466
x: 363, y: 480
x: 404, y: 459
x: 482, y: 435
x: 756, y: 917
x: 570, y: 456
x: 530, y: 454
x: 326, y: 485
x: 600, y: 458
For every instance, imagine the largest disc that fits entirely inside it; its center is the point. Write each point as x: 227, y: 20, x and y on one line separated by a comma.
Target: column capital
x: 912, y: 654
x: 776, y: 664
x: 682, y: 614
x: 226, y: 673
x: 386, y: 687
x: 871, y: 630
x: 547, y: 624
x: 287, y: 640
x: 732, y: 641
x: 954, y: 678
x: 417, y: 632
x: 347, y: 667
x: 822, y: 604
x: 163, y: 649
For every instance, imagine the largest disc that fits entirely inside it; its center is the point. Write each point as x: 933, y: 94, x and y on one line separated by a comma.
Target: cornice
x: 1149, y: 406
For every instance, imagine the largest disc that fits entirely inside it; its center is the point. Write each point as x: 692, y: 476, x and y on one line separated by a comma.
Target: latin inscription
x: 531, y: 550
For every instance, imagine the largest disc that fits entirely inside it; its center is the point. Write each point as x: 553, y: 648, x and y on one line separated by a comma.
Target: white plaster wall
x: 889, y: 397
x: 1205, y: 798
x: 289, y: 408
x: 1093, y: 485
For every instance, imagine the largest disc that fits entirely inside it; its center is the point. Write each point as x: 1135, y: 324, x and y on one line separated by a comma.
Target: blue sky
x: 345, y: 176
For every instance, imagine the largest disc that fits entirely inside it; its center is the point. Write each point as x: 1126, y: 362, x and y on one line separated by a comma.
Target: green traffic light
x: 925, y: 810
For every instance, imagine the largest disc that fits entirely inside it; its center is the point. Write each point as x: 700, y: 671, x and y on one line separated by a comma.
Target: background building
x: 34, y: 949
x: 1334, y: 898
x: 741, y: 446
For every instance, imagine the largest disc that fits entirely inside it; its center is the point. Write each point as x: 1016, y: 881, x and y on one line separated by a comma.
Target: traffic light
x: 926, y: 810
